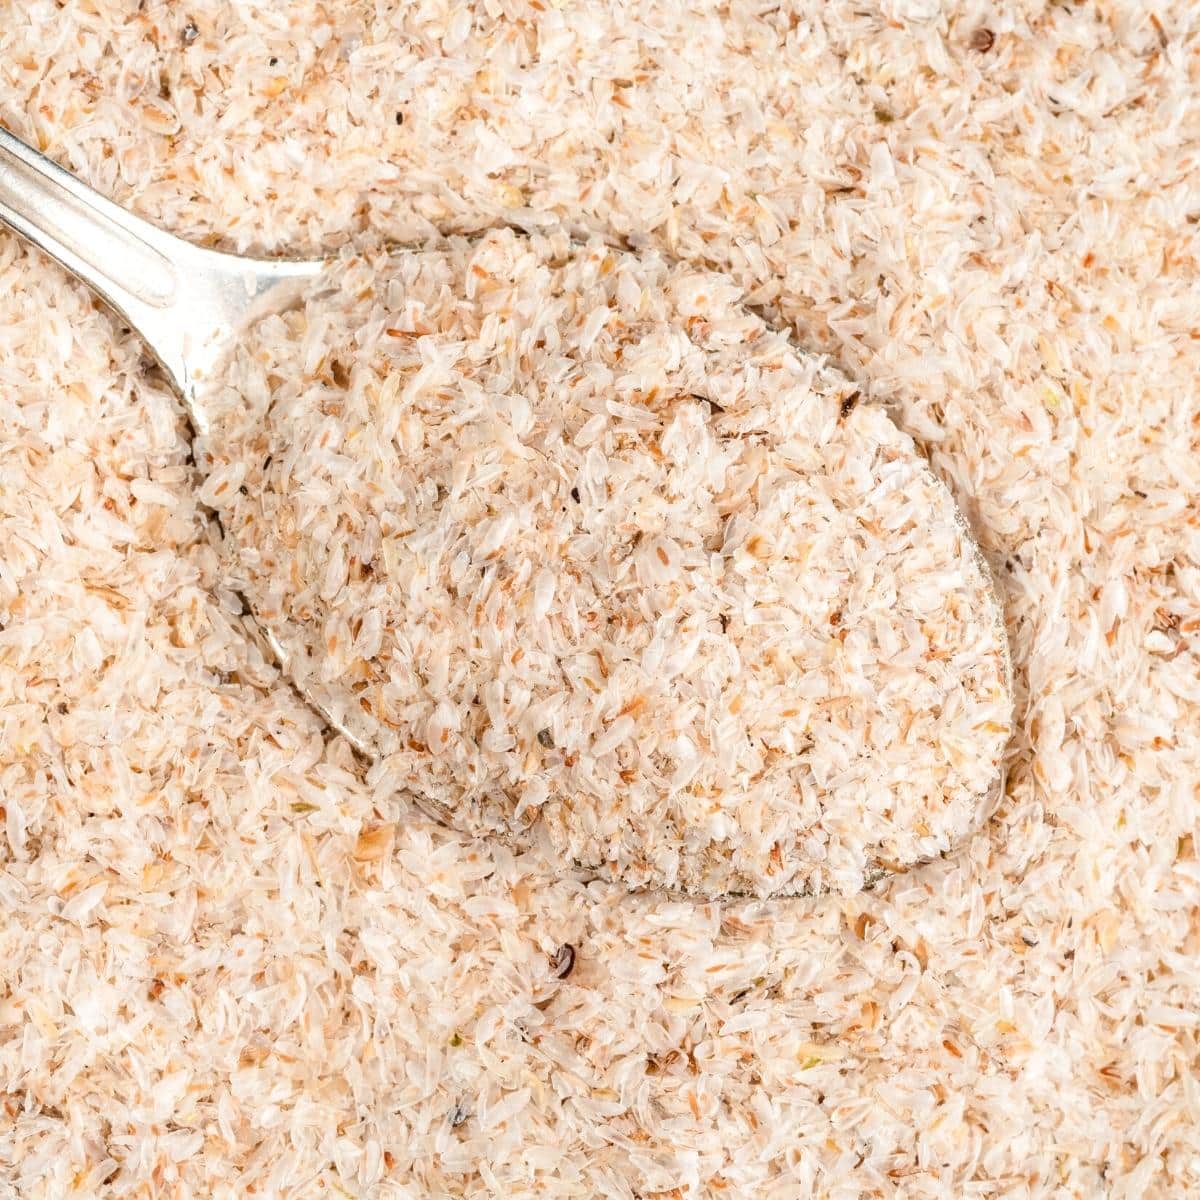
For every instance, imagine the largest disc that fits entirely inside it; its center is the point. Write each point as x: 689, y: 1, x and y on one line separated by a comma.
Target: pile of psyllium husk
x: 237, y: 958
x: 588, y: 556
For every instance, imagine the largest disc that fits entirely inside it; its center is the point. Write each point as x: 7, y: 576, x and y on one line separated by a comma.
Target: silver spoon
x: 190, y: 305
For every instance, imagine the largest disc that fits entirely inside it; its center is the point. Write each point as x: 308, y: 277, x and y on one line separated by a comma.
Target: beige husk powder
x: 233, y: 964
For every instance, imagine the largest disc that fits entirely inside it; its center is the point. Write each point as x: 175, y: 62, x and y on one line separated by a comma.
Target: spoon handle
x: 187, y: 303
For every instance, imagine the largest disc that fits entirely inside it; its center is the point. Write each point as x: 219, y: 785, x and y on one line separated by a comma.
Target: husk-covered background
x: 228, y: 969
